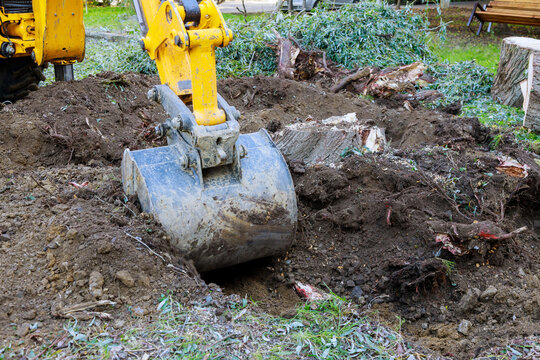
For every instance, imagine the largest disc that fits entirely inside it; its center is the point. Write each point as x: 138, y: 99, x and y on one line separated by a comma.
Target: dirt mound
x: 368, y: 227
x: 272, y: 103
x: 80, y: 122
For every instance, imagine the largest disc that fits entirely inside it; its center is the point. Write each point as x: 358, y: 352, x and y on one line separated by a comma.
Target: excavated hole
x: 256, y: 281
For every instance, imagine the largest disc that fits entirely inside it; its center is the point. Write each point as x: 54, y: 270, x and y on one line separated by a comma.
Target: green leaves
x: 353, y: 36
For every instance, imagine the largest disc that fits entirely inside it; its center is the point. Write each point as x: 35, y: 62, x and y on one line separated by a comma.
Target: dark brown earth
x: 365, y: 227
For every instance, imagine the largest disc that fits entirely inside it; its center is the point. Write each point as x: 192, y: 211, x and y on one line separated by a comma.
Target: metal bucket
x: 220, y: 216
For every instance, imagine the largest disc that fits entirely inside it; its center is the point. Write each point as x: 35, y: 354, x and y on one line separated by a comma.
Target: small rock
x: 80, y: 283
x: 54, y: 244
x: 357, y: 292
x: 464, y: 327
x: 23, y: 330
x: 79, y: 274
x: 29, y: 315
x: 208, y: 299
x: 74, y: 235
x: 104, y: 247
x: 350, y: 284
x: 95, y: 284
x: 521, y: 272
x: 139, y: 311
x: 469, y: 300
x: 144, y: 280
x: 489, y: 293
x: 425, y: 326
x: 125, y: 278
x: 220, y: 311
x: 118, y: 323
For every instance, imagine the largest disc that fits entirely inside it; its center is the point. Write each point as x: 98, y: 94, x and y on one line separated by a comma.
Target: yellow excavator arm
x: 181, y: 39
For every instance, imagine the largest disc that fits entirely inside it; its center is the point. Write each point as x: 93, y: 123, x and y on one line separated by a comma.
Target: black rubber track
x: 18, y: 76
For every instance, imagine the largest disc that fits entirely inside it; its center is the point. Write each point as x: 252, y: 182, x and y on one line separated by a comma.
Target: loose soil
x: 366, y: 227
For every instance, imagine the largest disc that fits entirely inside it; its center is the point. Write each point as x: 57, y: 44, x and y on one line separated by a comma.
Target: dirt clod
x: 125, y: 278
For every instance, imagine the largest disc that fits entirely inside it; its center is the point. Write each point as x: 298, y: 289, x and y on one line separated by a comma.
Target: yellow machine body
x: 59, y: 31
x: 52, y: 33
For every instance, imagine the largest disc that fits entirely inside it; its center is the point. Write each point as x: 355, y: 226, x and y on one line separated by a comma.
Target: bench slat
x: 509, y: 5
x: 509, y: 19
x: 512, y: 11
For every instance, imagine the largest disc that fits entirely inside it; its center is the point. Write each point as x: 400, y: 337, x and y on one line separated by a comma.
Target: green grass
x: 122, y: 18
x: 116, y: 19
x: 332, y: 329
x: 486, y: 55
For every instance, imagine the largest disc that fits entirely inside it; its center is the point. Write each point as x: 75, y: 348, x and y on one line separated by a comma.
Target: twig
x: 40, y: 185
x: 243, y: 12
x: 169, y: 265
x: 139, y: 240
x: 56, y: 341
x: 436, y: 186
x: 70, y: 155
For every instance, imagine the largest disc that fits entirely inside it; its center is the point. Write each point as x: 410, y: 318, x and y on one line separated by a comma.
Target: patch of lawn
x: 107, y: 18
x: 331, y: 329
x: 453, y: 50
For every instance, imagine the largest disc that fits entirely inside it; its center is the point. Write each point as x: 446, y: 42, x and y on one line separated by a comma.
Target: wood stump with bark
x: 513, y: 63
x: 326, y: 141
x: 531, y: 94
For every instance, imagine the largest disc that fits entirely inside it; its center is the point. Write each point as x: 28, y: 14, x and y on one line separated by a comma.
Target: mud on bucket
x: 220, y: 216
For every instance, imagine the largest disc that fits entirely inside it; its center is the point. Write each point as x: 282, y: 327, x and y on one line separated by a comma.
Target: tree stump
x: 513, y: 63
x: 326, y: 142
x: 531, y: 94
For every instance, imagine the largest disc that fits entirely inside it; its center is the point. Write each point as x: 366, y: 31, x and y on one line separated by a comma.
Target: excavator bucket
x: 230, y: 216
x: 219, y: 216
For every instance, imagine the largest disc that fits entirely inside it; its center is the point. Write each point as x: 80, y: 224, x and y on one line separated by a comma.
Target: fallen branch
x: 79, y: 311
x: 360, y: 74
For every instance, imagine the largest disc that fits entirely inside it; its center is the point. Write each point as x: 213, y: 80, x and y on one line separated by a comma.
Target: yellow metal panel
x: 59, y: 31
x: 186, y: 58
x: 20, y: 30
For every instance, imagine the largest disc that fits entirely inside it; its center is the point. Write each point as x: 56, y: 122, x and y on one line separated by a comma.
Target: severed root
x: 360, y: 74
x: 460, y: 239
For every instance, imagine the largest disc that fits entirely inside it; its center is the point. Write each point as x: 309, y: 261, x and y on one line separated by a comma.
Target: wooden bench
x: 518, y: 12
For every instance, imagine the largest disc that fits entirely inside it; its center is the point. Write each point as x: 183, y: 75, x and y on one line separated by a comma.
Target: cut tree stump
x: 531, y: 94
x: 325, y: 142
x: 513, y: 63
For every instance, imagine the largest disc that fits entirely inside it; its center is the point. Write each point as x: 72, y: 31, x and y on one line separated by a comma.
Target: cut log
x: 327, y: 141
x: 531, y: 95
x: 513, y: 63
